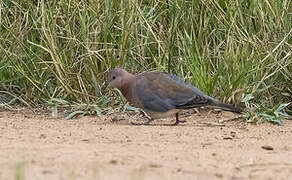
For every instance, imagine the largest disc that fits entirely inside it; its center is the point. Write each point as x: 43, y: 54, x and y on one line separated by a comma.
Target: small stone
x: 155, y: 165
x: 227, y: 138
x: 219, y: 175
x: 46, y: 172
x: 85, y: 140
x: 113, y: 161
x: 42, y: 136
x: 269, y: 148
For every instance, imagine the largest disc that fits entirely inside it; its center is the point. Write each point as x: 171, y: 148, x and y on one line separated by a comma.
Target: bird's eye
x: 114, y: 77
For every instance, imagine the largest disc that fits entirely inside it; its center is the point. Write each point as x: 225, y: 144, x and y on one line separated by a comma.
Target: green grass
x: 19, y: 171
x: 62, y: 49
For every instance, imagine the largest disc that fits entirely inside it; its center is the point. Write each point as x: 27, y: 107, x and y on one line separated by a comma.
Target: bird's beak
x: 103, y: 88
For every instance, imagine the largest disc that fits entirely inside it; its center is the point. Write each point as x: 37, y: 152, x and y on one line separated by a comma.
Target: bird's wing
x: 188, y: 96
x: 149, y: 94
x: 200, y: 99
x: 161, y: 92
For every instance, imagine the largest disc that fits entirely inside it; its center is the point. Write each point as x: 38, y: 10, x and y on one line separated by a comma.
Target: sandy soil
x: 36, y: 146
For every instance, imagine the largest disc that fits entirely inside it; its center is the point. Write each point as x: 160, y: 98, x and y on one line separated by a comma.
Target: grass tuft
x: 61, y: 49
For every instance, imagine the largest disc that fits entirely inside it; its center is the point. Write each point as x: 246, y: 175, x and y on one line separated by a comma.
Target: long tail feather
x: 226, y: 107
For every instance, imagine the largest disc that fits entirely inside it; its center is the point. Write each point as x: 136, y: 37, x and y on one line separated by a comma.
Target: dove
x: 161, y: 94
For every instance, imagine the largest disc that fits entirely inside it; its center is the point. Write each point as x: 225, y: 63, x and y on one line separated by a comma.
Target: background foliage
x: 59, y: 50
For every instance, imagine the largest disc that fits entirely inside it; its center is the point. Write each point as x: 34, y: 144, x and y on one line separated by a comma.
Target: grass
x: 53, y: 51
x: 19, y: 171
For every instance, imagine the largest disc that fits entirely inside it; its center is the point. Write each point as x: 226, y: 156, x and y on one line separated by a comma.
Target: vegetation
x: 57, y: 52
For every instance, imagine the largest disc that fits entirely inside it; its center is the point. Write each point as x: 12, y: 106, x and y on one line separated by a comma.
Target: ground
x: 210, y: 145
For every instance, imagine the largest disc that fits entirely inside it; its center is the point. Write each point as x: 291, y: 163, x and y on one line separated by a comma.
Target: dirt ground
x: 210, y: 145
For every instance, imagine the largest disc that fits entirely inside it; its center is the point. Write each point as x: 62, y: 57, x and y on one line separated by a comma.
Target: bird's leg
x: 177, y: 121
x: 145, y: 114
x: 149, y: 119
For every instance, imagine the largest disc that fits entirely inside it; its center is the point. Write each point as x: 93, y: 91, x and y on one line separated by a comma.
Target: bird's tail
x: 226, y: 107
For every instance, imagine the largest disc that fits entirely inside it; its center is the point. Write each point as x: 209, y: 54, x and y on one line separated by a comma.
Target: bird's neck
x: 126, y: 89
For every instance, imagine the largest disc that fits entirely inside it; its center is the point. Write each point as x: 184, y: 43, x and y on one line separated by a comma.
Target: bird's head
x: 115, y: 78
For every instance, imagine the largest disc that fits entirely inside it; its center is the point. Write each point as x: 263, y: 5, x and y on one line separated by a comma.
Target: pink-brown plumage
x: 161, y: 94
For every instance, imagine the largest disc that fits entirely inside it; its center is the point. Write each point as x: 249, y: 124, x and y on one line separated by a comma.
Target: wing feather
x: 161, y: 92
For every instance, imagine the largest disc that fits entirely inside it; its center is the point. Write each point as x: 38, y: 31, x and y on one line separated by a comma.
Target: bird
x: 161, y: 94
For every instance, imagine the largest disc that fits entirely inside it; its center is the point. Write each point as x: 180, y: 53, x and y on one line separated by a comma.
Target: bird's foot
x: 177, y: 122
x: 143, y: 123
